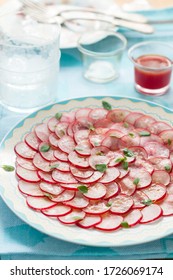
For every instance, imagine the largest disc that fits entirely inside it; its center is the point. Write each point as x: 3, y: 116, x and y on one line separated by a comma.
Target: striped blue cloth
x: 19, y: 240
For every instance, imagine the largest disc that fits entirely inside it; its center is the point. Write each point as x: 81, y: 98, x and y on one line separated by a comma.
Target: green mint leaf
x: 109, y: 204
x: 106, y: 105
x: 58, y: 116
x: 45, y: 148
x: 101, y: 167
x: 147, y: 202
x: 8, y: 168
x: 169, y: 141
x: 82, y: 189
x: 48, y: 195
x: 77, y: 218
x: 168, y: 168
x: 132, y: 135
x: 128, y: 153
x: 53, y: 166
x: 144, y: 133
x: 120, y: 159
x: 126, y: 125
x: 125, y: 224
x: 125, y: 165
x: 136, y: 181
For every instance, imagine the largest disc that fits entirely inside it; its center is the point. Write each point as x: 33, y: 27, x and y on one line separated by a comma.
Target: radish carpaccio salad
x: 100, y: 168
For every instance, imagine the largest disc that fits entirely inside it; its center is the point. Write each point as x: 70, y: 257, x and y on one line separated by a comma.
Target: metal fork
x: 68, y: 9
x: 42, y: 15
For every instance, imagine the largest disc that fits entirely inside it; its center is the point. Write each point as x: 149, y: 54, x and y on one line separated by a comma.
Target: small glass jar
x: 102, y: 52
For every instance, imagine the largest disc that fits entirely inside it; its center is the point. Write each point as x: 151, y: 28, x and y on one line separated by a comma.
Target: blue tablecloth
x: 20, y: 241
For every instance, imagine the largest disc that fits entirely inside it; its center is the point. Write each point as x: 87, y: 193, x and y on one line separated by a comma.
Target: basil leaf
x: 45, y: 148
x: 101, y: 167
x: 128, y: 153
x: 169, y: 141
x: 136, y: 181
x: 58, y: 116
x: 144, y: 133
x: 77, y: 218
x: 106, y: 105
x: 167, y: 167
x: 48, y: 195
x: 120, y: 159
x: 83, y: 189
x: 53, y: 166
x: 125, y: 124
x: 8, y: 168
x: 147, y: 202
x: 125, y: 224
x: 109, y: 204
x: 125, y: 165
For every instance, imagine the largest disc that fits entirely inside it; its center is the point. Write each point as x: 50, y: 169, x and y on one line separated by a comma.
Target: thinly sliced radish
x: 41, y: 163
x: 61, y: 129
x: 68, y: 117
x: 139, y: 152
x: 143, y: 164
x: 32, y: 189
x: 51, y: 188
x: 111, y: 143
x: 155, y: 192
x: 100, y: 151
x: 63, y: 177
x: 120, y: 204
x: 92, y: 179
x: 132, y: 117
x: 123, y: 172
x: 52, y: 123
x: 25, y: 163
x: 110, y: 222
x: 24, y: 151
x: 42, y: 132
x: 66, y: 144
x: 84, y: 148
x: 70, y: 186
x: 133, y: 217
x: 112, y: 190
x: 129, y: 140
x: 156, y: 149
x: 151, y: 213
x: 117, y: 115
x: 64, y: 196
x: 167, y: 205
x: 152, y: 138
x: 73, y: 217
x: 53, y: 139
x: 81, y: 173
x: 77, y: 160
x: 57, y: 211
x: 139, y: 198
x: 82, y: 113
x: 160, y: 177
x: 27, y: 175
x: 170, y: 188
x: 158, y: 127
x: 81, y: 135
x: 143, y: 176
x: 96, y: 139
x: 78, y: 201
x: 98, y: 159
x: 144, y: 122
x: 127, y: 186
x: 39, y: 203
x: 115, y: 158
x: 96, y: 191
x: 61, y: 166
x: 81, y: 124
x: 58, y: 154
x: 32, y: 141
x: 98, y: 114
x: 48, y: 155
x: 89, y: 221
x: 111, y: 174
x: 98, y: 207
x: 161, y: 163
x: 167, y: 137
x: 46, y: 177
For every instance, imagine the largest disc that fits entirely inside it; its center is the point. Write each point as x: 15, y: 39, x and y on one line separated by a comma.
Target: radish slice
x: 161, y: 163
x: 160, y: 177
x: 96, y: 139
x: 62, y: 166
x: 70, y: 186
x: 66, y: 144
x: 49, y: 155
x: 58, y: 154
x: 77, y: 160
x: 100, y: 151
x: 110, y: 142
x: 39, y: 203
x: 97, y: 114
x: 63, y: 177
x: 123, y: 173
x: 112, y: 190
x: 133, y: 217
x: 127, y: 186
x: 68, y: 117
x: 41, y: 163
x: 139, y: 198
x: 46, y: 177
x: 170, y: 188
x: 110, y: 222
x: 155, y: 192
x: 25, y: 163
x: 84, y: 148
x: 167, y: 205
x: 158, y: 127
x: 32, y: 141
x: 139, y: 152
x: 81, y: 173
x: 81, y: 135
x: 151, y: 138
x: 151, y: 213
x: 52, y: 189
x: 32, y: 189
x: 98, y: 207
x: 82, y: 113
x: 167, y: 137
x: 89, y: 221
x: 61, y: 129
x: 52, y: 123
x: 110, y: 175
x: 27, y: 175
x: 78, y: 202
x: 95, y: 160
x: 42, y: 132
x: 92, y: 179
x: 96, y: 191
x: 53, y: 139
x: 130, y: 140
x: 144, y: 122
x: 64, y: 196
x: 24, y: 151
x: 73, y: 217
x: 117, y: 115
x: 57, y: 211
x: 143, y: 176
x: 120, y: 204
x: 156, y: 149
x: 132, y: 117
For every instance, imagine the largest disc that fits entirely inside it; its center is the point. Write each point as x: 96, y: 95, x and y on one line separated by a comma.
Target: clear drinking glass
x: 102, y: 52
x: 152, y: 62
x: 29, y: 63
